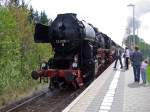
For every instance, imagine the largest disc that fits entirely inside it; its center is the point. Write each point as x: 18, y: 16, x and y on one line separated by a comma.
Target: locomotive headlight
x: 103, y: 61
x: 63, y: 44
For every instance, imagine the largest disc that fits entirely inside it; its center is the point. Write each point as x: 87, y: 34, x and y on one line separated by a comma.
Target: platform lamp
x: 133, y: 21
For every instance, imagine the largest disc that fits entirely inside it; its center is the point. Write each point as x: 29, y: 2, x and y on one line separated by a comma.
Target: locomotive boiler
x: 79, y: 51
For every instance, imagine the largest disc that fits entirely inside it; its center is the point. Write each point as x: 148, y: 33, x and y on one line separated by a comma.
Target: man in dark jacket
x: 118, y: 54
x: 136, y: 59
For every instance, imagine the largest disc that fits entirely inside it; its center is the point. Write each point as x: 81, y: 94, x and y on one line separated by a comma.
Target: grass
x: 148, y: 73
x: 10, y: 95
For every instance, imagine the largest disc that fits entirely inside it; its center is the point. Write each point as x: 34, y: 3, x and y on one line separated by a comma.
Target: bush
x: 148, y: 73
x: 19, y: 55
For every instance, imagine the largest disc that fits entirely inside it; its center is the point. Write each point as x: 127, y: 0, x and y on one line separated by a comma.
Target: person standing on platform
x: 143, y: 70
x: 118, y: 54
x: 124, y: 59
x: 131, y: 52
x: 136, y: 62
x: 127, y: 56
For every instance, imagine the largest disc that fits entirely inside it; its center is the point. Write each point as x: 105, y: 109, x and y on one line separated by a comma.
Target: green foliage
x: 43, y: 18
x: 143, y: 46
x: 148, y: 73
x: 19, y: 55
x: 35, y: 17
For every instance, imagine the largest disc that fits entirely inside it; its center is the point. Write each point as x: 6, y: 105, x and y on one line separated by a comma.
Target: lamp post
x: 133, y: 21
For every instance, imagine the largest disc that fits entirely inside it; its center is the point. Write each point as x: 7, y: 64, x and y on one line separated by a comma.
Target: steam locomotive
x: 81, y: 51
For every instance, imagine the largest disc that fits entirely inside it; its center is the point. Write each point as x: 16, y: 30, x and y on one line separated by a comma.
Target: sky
x: 109, y: 16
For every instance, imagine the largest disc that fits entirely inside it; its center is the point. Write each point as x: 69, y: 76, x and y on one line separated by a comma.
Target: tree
x: 143, y: 46
x: 19, y: 55
x: 15, y: 2
x: 36, y: 17
x: 44, y: 18
x: 31, y: 14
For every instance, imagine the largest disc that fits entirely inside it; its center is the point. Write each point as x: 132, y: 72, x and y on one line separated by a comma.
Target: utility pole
x: 133, y: 21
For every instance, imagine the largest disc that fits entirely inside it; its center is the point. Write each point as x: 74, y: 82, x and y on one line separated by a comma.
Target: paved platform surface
x: 113, y: 91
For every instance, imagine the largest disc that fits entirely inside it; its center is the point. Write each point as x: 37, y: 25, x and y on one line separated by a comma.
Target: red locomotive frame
x: 60, y: 73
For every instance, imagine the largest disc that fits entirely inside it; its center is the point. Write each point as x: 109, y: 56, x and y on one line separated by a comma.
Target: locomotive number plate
x: 61, y: 41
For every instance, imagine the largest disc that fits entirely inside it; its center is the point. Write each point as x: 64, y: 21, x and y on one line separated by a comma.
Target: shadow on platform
x: 137, y: 85
x: 122, y: 70
x: 134, y: 85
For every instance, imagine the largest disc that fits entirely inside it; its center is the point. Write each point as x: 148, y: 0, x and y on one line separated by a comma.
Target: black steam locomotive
x: 81, y: 51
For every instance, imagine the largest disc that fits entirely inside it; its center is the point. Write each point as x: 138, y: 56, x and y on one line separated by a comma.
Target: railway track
x: 13, y: 106
x: 46, y: 101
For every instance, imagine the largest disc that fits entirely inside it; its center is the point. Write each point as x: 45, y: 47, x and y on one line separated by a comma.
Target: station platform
x: 113, y: 91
